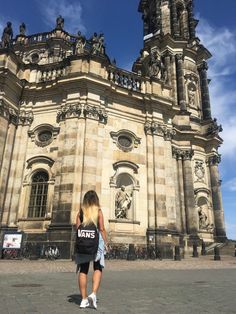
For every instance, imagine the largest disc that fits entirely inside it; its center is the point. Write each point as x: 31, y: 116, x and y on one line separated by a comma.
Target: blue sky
x: 122, y: 26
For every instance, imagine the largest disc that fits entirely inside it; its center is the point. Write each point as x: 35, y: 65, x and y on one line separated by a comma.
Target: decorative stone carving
x: 7, y: 35
x: 199, y: 170
x: 25, y: 117
x: 214, y: 160
x: 8, y: 113
x: 156, y: 128
x: 123, y: 202
x: 69, y: 111
x: 185, y: 154
x: 125, y: 140
x: 214, y: 129
x: 95, y: 113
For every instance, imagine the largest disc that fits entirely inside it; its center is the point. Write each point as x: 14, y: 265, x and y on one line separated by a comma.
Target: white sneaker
x: 84, y: 303
x: 93, y: 300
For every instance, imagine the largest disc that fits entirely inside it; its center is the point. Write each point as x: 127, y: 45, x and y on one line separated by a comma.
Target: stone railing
x: 125, y: 79
x: 52, y: 74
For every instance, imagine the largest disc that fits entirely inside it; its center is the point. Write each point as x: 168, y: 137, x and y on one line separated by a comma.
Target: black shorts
x: 84, y: 268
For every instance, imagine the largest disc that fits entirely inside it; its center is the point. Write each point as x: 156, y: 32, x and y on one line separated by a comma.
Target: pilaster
x: 213, y: 162
x: 181, y: 82
x: 206, y: 106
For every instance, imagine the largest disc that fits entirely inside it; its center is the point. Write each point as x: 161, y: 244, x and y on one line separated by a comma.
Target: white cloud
x: 71, y: 12
x: 230, y: 185
x: 231, y: 230
x: 221, y: 42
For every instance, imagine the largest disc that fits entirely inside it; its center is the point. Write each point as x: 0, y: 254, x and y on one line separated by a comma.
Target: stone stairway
x: 227, y: 248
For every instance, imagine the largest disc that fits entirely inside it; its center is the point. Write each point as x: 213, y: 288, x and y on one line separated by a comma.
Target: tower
x: 173, y: 54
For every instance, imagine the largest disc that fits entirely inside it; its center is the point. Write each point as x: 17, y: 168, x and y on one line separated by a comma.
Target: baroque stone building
x: 71, y: 121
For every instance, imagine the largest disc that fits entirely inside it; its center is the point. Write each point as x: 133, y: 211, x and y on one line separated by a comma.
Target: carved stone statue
x: 22, y: 29
x: 97, y: 44
x: 154, y: 65
x: 122, y: 203
x: 80, y: 43
x: 157, y: 68
x: 191, y: 96
x: 7, y: 35
x: 59, y: 22
x: 203, y: 220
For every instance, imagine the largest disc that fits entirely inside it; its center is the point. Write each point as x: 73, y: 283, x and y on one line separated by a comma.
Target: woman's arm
x: 101, y: 226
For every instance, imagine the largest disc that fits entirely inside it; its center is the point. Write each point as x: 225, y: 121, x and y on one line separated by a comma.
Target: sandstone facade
x: 71, y: 121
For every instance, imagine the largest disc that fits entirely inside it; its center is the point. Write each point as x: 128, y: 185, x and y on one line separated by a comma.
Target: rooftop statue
x: 59, y: 22
x: 7, y: 35
x: 80, y: 43
x: 22, y: 29
x: 97, y: 42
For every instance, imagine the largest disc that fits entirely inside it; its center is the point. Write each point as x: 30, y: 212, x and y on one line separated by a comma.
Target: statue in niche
x: 59, y: 22
x: 191, y: 95
x: 203, y: 219
x: 156, y: 67
x: 80, y: 43
x: 22, y: 29
x: 122, y: 203
x: 7, y: 35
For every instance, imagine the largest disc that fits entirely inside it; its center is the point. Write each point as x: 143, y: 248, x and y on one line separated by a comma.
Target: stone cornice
x: 155, y: 128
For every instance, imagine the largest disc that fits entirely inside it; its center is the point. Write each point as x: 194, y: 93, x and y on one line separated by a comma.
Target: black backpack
x: 87, y: 239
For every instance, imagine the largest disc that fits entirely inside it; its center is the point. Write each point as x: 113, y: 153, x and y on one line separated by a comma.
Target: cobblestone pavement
x: 194, y: 285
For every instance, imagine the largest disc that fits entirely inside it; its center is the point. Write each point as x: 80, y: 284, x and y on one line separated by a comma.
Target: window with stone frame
x: 38, y: 195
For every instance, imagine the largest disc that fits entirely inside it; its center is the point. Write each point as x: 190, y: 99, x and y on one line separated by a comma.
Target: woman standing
x: 89, y: 215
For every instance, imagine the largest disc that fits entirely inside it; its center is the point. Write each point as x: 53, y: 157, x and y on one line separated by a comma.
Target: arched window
x: 38, y: 195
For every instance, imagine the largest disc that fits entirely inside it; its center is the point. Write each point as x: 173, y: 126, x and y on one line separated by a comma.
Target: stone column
x: 173, y: 78
x: 206, y: 106
x: 6, y: 164
x: 4, y: 121
x: 65, y: 179
x: 168, y: 66
x: 178, y: 155
x: 181, y: 82
x: 174, y: 18
x: 185, y: 24
x: 150, y: 177
x: 191, y: 20
x: 18, y: 165
x: 159, y: 175
x: 191, y: 213
x: 213, y: 162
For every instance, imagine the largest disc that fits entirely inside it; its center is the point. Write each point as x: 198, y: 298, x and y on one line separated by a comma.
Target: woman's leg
x: 97, y: 276
x: 82, y: 279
